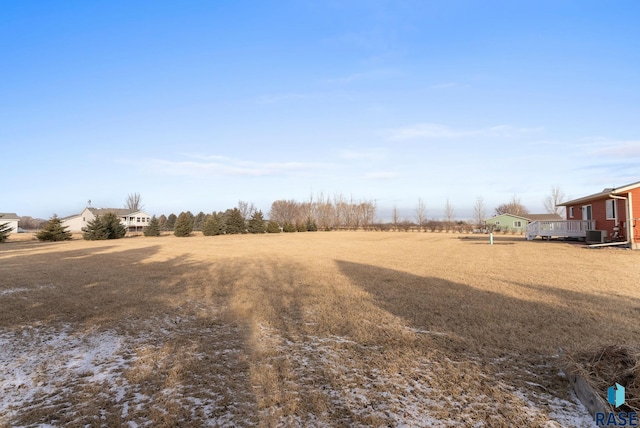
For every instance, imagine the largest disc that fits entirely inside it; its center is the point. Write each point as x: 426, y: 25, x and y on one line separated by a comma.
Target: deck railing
x: 560, y: 228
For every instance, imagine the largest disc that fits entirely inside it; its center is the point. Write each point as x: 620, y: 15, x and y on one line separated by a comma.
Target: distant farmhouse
x: 134, y: 221
x: 515, y: 223
x: 10, y: 218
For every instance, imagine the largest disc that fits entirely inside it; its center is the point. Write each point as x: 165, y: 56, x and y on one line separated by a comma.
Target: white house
x: 10, y: 218
x: 133, y: 220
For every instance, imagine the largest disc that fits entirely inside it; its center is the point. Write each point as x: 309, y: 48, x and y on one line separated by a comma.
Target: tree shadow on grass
x: 182, y: 356
x: 494, y: 323
x: 511, y: 335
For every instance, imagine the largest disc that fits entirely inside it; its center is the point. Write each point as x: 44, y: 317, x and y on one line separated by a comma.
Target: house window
x: 570, y: 212
x: 84, y: 219
x: 611, y: 209
x: 131, y: 218
x: 138, y: 220
x: 517, y: 223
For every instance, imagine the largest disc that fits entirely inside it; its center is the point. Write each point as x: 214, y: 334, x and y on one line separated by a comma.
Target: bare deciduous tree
x: 246, y: 209
x: 552, y: 200
x: 134, y: 202
x: 479, y: 211
x: 325, y: 212
x: 421, y: 214
x: 449, y: 214
x: 284, y: 211
x: 395, y: 217
x: 512, y: 207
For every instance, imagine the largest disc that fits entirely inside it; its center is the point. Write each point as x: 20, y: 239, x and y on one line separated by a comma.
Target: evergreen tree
x: 153, y: 227
x: 198, y: 221
x: 53, y: 230
x: 213, y: 225
x: 288, y: 227
x: 192, y: 218
x: 234, y: 222
x: 184, y: 225
x: 256, y: 223
x: 273, y: 227
x: 301, y: 227
x: 171, y: 222
x: 95, y: 230
x: 5, y: 231
x: 106, y: 227
x: 311, y: 226
x: 162, y: 220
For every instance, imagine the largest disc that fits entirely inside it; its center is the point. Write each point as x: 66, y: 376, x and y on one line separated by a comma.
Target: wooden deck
x: 559, y: 229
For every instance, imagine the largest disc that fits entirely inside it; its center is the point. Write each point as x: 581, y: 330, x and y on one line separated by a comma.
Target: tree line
x: 285, y: 215
x: 318, y: 213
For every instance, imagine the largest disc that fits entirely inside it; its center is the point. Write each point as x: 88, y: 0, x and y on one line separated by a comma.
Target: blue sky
x: 198, y: 104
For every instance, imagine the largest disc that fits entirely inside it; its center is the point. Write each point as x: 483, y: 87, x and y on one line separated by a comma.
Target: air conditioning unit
x: 596, y: 236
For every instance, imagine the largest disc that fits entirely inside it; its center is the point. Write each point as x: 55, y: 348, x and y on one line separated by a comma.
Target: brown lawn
x: 329, y: 329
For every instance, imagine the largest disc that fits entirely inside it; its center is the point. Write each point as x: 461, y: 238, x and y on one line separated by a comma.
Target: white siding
x: 12, y: 223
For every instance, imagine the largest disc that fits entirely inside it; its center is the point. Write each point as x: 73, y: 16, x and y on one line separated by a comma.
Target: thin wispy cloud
x: 214, y: 165
x: 622, y: 149
x: 438, y: 131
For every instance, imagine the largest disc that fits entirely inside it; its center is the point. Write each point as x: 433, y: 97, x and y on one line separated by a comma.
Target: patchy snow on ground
x: 565, y: 413
x: 401, y: 399
x: 43, y: 365
x: 39, y: 363
x: 12, y: 290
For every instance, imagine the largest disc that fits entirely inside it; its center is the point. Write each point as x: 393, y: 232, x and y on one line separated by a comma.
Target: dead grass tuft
x: 608, y: 365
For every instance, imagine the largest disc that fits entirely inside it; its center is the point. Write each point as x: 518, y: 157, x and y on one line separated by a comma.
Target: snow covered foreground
x: 43, y: 366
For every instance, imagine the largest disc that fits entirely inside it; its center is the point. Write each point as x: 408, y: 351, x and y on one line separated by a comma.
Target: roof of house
x: 606, y: 193
x: 117, y: 211
x: 9, y: 216
x: 507, y: 214
x: 120, y: 212
x: 531, y: 217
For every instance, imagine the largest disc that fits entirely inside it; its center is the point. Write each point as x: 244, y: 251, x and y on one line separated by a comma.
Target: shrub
x: 273, y: 227
x: 53, y: 230
x: 312, y: 226
x: 288, y: 227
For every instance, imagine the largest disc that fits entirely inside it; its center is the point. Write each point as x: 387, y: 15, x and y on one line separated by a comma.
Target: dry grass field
x: 305, y: 329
